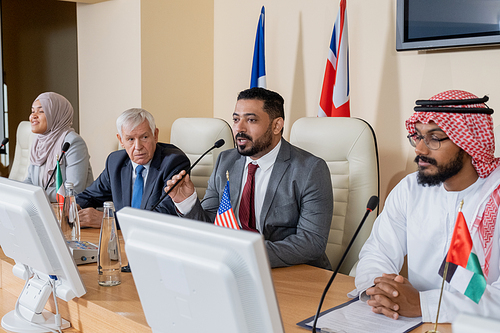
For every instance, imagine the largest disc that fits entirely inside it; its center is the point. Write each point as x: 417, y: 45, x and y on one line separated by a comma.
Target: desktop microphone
x: 217, y: 144
x: 372, y: 204
x: 2, y: 145
x: 4, y: 142
x: 65, y: 148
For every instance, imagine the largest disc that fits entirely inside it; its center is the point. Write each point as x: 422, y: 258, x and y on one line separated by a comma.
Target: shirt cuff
x: 187, y: 204
x: 427, y: 299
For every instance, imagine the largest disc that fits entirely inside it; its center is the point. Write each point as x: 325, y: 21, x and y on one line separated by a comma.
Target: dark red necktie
x: 247, y: 207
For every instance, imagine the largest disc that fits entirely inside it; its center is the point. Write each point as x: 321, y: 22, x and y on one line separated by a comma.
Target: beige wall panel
x: 384, y: 83
x: 109, y: 56
x: 177, y: 60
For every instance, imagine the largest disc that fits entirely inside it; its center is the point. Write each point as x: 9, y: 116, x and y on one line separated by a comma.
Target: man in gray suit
x: 292, y: 204
x: 136, y: 175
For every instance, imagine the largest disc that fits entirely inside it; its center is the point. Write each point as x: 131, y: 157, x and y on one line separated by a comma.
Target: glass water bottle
x: 70, y: 222
x: 108, y: 256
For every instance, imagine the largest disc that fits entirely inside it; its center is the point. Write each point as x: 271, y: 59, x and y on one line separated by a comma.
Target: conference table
x: 118, y: 309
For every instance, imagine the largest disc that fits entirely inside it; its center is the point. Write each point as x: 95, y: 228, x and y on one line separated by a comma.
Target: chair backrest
x: 24, y: 138
x: 496, y: 132
x: 194, y: 136
x: 349, y: 147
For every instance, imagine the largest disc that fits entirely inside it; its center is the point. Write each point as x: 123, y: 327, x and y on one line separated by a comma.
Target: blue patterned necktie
x: 138, y: 187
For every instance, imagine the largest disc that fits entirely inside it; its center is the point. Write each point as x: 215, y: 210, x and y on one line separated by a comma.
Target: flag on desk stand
x: 60, y: 192
x: 464, y: 271
x: 225, y: 215
x: 334, y: 100
x: 258, y: 78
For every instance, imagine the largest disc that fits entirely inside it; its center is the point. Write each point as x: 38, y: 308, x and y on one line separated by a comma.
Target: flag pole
x: 442, y: 285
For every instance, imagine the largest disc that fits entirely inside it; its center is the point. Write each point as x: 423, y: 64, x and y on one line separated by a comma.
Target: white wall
x: 384, y: 83
x: 109, y: 69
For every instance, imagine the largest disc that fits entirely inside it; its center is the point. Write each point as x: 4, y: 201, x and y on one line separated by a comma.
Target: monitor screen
x: 196, y: 277
x: 31, y: 235
x: 466, y: 323
x: 427, y: 24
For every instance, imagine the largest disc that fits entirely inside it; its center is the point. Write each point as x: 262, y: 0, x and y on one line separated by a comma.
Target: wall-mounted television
x: 433, y: 24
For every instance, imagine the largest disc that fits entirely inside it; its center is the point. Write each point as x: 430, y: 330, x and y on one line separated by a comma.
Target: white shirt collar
x: 146, y: 166
x: 266, y: 161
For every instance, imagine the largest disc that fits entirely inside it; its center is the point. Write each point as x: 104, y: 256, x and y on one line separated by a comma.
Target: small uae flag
x: 225, y: 215
x: 464, y: 271
x: 61, y: 193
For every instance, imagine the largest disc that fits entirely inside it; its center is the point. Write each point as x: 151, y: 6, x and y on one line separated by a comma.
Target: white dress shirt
x: 262, y: 176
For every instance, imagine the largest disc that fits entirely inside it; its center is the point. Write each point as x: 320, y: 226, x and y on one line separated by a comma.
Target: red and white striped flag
x: 225, y: 215
x: 334, y: 101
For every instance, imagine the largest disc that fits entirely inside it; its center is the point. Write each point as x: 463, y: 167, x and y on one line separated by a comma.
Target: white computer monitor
x: 31, y: 235
x: 466, y: 323
x: 196, y: 277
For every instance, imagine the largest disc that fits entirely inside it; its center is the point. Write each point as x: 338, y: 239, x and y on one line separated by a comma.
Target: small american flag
x: 225, y: 215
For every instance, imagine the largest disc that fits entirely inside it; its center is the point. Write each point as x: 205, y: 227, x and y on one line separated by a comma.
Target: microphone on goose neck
x: 219, y: 143
x: 372, y: 204
x: 4, y: 142
x: 2, y: 146
x: 64, y: 149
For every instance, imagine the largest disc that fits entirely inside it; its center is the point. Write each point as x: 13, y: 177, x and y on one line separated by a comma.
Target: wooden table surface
x: 118, y: 309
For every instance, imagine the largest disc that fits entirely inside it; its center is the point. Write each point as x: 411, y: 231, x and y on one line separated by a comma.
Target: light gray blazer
x: 298, y: 204
x: 75, y: 167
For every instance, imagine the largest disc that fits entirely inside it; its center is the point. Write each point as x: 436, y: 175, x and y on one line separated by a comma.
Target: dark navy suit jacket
x: 115, y: 182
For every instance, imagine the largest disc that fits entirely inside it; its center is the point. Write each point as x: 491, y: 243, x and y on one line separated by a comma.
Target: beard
x: 258, y: 145
x: 444, y: 172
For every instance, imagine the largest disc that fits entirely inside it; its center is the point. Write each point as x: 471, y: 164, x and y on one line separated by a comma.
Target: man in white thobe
x: 453, y: 138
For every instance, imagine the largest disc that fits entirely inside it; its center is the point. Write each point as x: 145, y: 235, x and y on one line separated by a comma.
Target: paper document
x: 357, y: 317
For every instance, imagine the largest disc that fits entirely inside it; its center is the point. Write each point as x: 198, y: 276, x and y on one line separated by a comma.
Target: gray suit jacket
x: 75, y: 167
x: 298, y: 204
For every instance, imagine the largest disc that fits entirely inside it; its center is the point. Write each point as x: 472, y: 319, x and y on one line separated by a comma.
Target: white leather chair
x: 24, y: 138
x: 194, y: 136
x: 349, y: 147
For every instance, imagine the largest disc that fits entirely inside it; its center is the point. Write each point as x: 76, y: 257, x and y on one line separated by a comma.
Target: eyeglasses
x: 430, y: 140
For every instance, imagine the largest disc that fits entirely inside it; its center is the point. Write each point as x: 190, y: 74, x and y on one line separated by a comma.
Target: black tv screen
x: 431, y: 24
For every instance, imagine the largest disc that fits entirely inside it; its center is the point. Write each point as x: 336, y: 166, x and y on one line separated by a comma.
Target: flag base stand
x: 440, y: 296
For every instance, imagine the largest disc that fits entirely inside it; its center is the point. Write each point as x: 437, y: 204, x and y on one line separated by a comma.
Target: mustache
x: 243, y: 136
x: 425, y: 159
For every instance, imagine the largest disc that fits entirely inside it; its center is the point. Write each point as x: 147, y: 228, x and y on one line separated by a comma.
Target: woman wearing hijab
x: 51, y: 118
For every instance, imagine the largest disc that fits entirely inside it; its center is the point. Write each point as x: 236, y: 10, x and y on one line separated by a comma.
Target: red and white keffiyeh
x: 473, y: 132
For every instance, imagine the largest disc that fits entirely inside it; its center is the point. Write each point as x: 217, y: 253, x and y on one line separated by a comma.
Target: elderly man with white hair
x: 134, y: 176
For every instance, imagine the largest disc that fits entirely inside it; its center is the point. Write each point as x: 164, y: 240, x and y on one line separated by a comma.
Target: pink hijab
x: 47, y: 146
